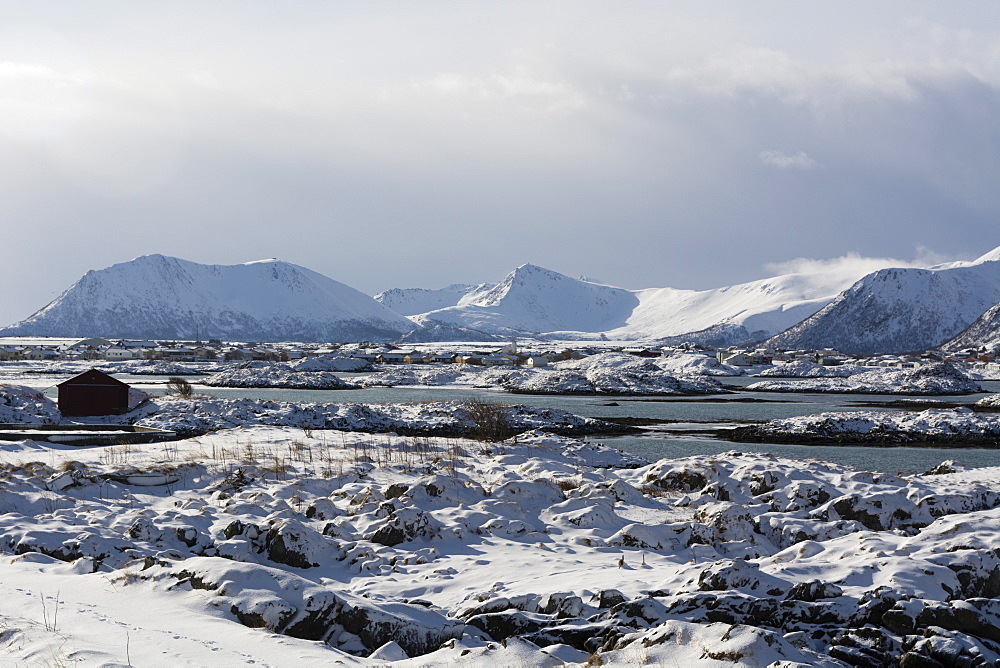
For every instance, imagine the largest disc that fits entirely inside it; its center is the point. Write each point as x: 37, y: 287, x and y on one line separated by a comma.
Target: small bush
x: 489, y: 421
x: 179, y: 386
x: 567, y: 484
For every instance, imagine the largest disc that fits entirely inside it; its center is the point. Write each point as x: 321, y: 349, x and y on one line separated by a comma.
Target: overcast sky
x: 416, y: 144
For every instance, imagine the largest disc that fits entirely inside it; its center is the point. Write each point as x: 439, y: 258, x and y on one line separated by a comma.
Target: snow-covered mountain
x: 414, y: 301
x: 532, y: 299
x: 164, y: 297
x: 983, y: 333
x: 536, y: 300
x: 901, y: 310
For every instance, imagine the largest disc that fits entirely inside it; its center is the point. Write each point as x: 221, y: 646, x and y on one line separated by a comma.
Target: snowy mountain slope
x: 532, y: 299
x: 983, y: 333
x: 163, y: 297
x: 761, y: 307
x: 414, y: 301
x: 901, y: 310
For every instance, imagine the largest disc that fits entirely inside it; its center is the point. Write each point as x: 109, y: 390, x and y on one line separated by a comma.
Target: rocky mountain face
x: 901, y: 310
x: 983, y: 333
x: 164, y: 297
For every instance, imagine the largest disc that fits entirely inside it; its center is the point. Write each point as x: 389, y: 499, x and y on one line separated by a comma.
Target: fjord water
x: 685, y: 419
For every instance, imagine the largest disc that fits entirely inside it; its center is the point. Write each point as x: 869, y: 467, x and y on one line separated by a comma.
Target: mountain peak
x: 992, y: 256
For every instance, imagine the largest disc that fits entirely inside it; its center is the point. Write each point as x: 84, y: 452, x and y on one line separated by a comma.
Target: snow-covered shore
x: 277, y: 546
x: 201, y: 414
x: 933, y: 379
x: 266, y: 374
x: 958, y: 427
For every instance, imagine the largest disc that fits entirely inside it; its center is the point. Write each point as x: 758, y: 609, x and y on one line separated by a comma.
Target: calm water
x: 685, y: 414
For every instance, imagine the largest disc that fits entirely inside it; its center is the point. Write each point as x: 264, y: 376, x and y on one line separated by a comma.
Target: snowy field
x: 282, y: 546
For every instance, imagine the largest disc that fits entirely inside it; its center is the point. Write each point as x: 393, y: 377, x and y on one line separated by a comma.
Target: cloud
x: 552, y: 121
x: 850, y: 264
x: 798, y: 160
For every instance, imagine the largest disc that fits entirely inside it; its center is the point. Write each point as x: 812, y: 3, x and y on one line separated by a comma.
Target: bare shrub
x: 489, y: 421
x: 567, y: 484
x: 179, y: 386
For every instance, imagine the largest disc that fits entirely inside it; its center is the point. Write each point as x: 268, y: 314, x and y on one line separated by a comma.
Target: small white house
x: 118, y: 353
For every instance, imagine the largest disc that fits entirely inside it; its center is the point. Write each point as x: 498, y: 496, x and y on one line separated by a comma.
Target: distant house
x: 641, y: 352
x: 535, y: 361
x: 120, y: 352
x: 96, y: 393
x: 469, y: 359
x: 237, y: 355
x: 497, y: 360
x: 736, y: 359
x: 35, y: 353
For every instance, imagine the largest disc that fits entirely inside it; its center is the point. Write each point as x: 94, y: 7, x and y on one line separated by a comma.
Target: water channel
x: 685, y: 419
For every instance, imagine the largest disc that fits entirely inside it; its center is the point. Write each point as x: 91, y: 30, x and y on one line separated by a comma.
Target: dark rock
x: 643, y: 611
x: 873, y: 604
x: 584, y: 636
x: 562, y: 605
x: 975, y: 617
x: 388, y: 535
x: 503, y: 625
x: 397, y: 490
x: 681, y: 480
x: 813, y: 591
x: 233, y: 529
x: 187, y: 535
x: 403, y: 524
x: 609, y: 598
x: 914, y: 660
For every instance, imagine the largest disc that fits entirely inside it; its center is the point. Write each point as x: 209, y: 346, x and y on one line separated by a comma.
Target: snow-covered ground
x: 332, y: 363
x: 934, y: 379
x: 606, y: 373
x: 274, y: 546
x: 806, y: 369
x: 267, y: 374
